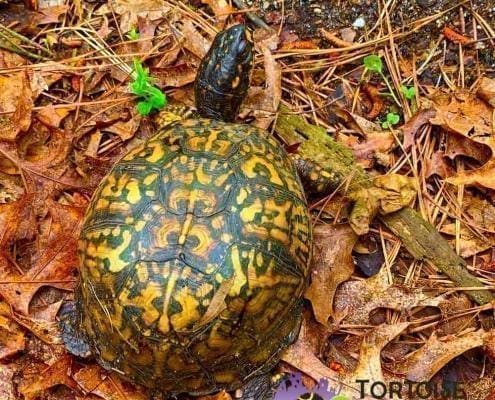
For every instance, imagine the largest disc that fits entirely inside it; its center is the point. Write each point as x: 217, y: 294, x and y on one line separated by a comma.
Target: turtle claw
x: 75, y: 341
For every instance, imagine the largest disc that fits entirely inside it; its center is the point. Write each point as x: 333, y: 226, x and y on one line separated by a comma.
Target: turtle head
x: 223, y: 77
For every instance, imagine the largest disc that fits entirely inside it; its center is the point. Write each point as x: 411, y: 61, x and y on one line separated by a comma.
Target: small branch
x: 418, y: 236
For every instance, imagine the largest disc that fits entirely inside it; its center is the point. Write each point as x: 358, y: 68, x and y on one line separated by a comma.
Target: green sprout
x: 408, y: 92
x: 392, y: 119
x: 133, y: 34
x: 152, y: 97
x: 374, y: 63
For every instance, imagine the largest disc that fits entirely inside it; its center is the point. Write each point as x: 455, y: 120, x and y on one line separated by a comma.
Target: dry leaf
x: 174, y: 76
x: 354, y: 300
x: 369, y: 366
x: 221, y: 8
x: 12, y: 337
x: 51, y: 116
x: 193, y: 40
x: 332, y: 265
x: 55, y: 263
x: 7, y: 383
x: 301, y: 355
x: 16, y: 103
x: 131, y: 10
x: 436, y: 353
x: 95, y: 380
x: 437, y: 165
x: 56, y: 374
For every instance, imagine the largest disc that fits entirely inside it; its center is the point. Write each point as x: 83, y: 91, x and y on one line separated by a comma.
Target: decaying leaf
x: 6, y: 382
x: 12, y: 337
x: 436, y: 353
x: 354, y: 300
x: 369, y: 366
x: 16, y: 105
x: 131, y: 10
x: 95, y: 380
x: 301, y: 355
x: 223, y: 395
x: 55, y: 264
x: 56, y: 374
x: 332, y: 265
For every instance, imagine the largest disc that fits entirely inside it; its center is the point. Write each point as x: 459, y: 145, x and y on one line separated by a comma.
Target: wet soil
x: 306, y: 17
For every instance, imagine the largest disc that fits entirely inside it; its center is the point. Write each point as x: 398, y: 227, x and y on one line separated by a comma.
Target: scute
x: 194, y: 257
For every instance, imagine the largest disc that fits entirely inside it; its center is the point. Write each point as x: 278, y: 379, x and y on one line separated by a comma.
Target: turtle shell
x: 194, y: 256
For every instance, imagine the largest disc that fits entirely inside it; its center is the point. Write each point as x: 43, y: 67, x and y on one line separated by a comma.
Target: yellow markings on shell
x: 205, y: 239
x: 143, y: 300
x: 226, y: 237
x: 207, y: 199
x: 243, y: 193
x: 204, y: 289
x: 201, y: 176
x: 240, y: 279
x: 133, y: 195
x: 150, y: 179
x: 103, y: 251
x: 186, y: 227
x: 164, y: 323
x: 158, y: 151
x: 250, y: 165
x: 129, y: 220
x: 189, y: 314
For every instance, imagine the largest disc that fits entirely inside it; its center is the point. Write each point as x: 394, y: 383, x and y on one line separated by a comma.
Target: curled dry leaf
x: 95, y: 380
x: 51, y: 116
x: 56, y: 374
x: 486, y: 90
x: 16, y: 101
x: 430, y: 358
x: 332, y: 265
x: 354, y: 300
x: 411, y: 128
x: 53, y: 267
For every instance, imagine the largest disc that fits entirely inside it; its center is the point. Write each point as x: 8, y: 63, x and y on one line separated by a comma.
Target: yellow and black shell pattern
x: 194, y: 256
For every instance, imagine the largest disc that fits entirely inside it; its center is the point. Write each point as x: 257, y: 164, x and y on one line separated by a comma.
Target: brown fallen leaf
x: 484, y: 176
x: 222, y: 9
x: 411, y: 128
x: 435, y: 353
x: 265, y: 101
x: 174, y: 76
x: 16, y: 105
x: 54, y: 265
x: 437, y: 165
x: 486, y: 90
x: 7, y: 382
x: 12, y: 338
x: 51, y: 116
x: 56, y: 374
x: 301, y: 354
x: 354, y: 300
x: 369, y: 365
x: 95, y: 380
x: 193, y: 40
x: 332, y: 266
x: 131, y: 10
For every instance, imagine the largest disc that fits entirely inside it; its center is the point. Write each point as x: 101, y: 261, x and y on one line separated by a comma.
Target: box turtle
x: 195, y: 248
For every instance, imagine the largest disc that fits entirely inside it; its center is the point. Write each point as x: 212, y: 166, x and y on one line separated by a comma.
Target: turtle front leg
x: 73, y: 336
x: 315, y: 179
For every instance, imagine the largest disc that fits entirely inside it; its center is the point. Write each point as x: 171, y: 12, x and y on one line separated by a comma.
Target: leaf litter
x: 67, y: 116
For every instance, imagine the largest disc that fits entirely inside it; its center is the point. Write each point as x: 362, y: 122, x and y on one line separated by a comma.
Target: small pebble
x: 359, y: 23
